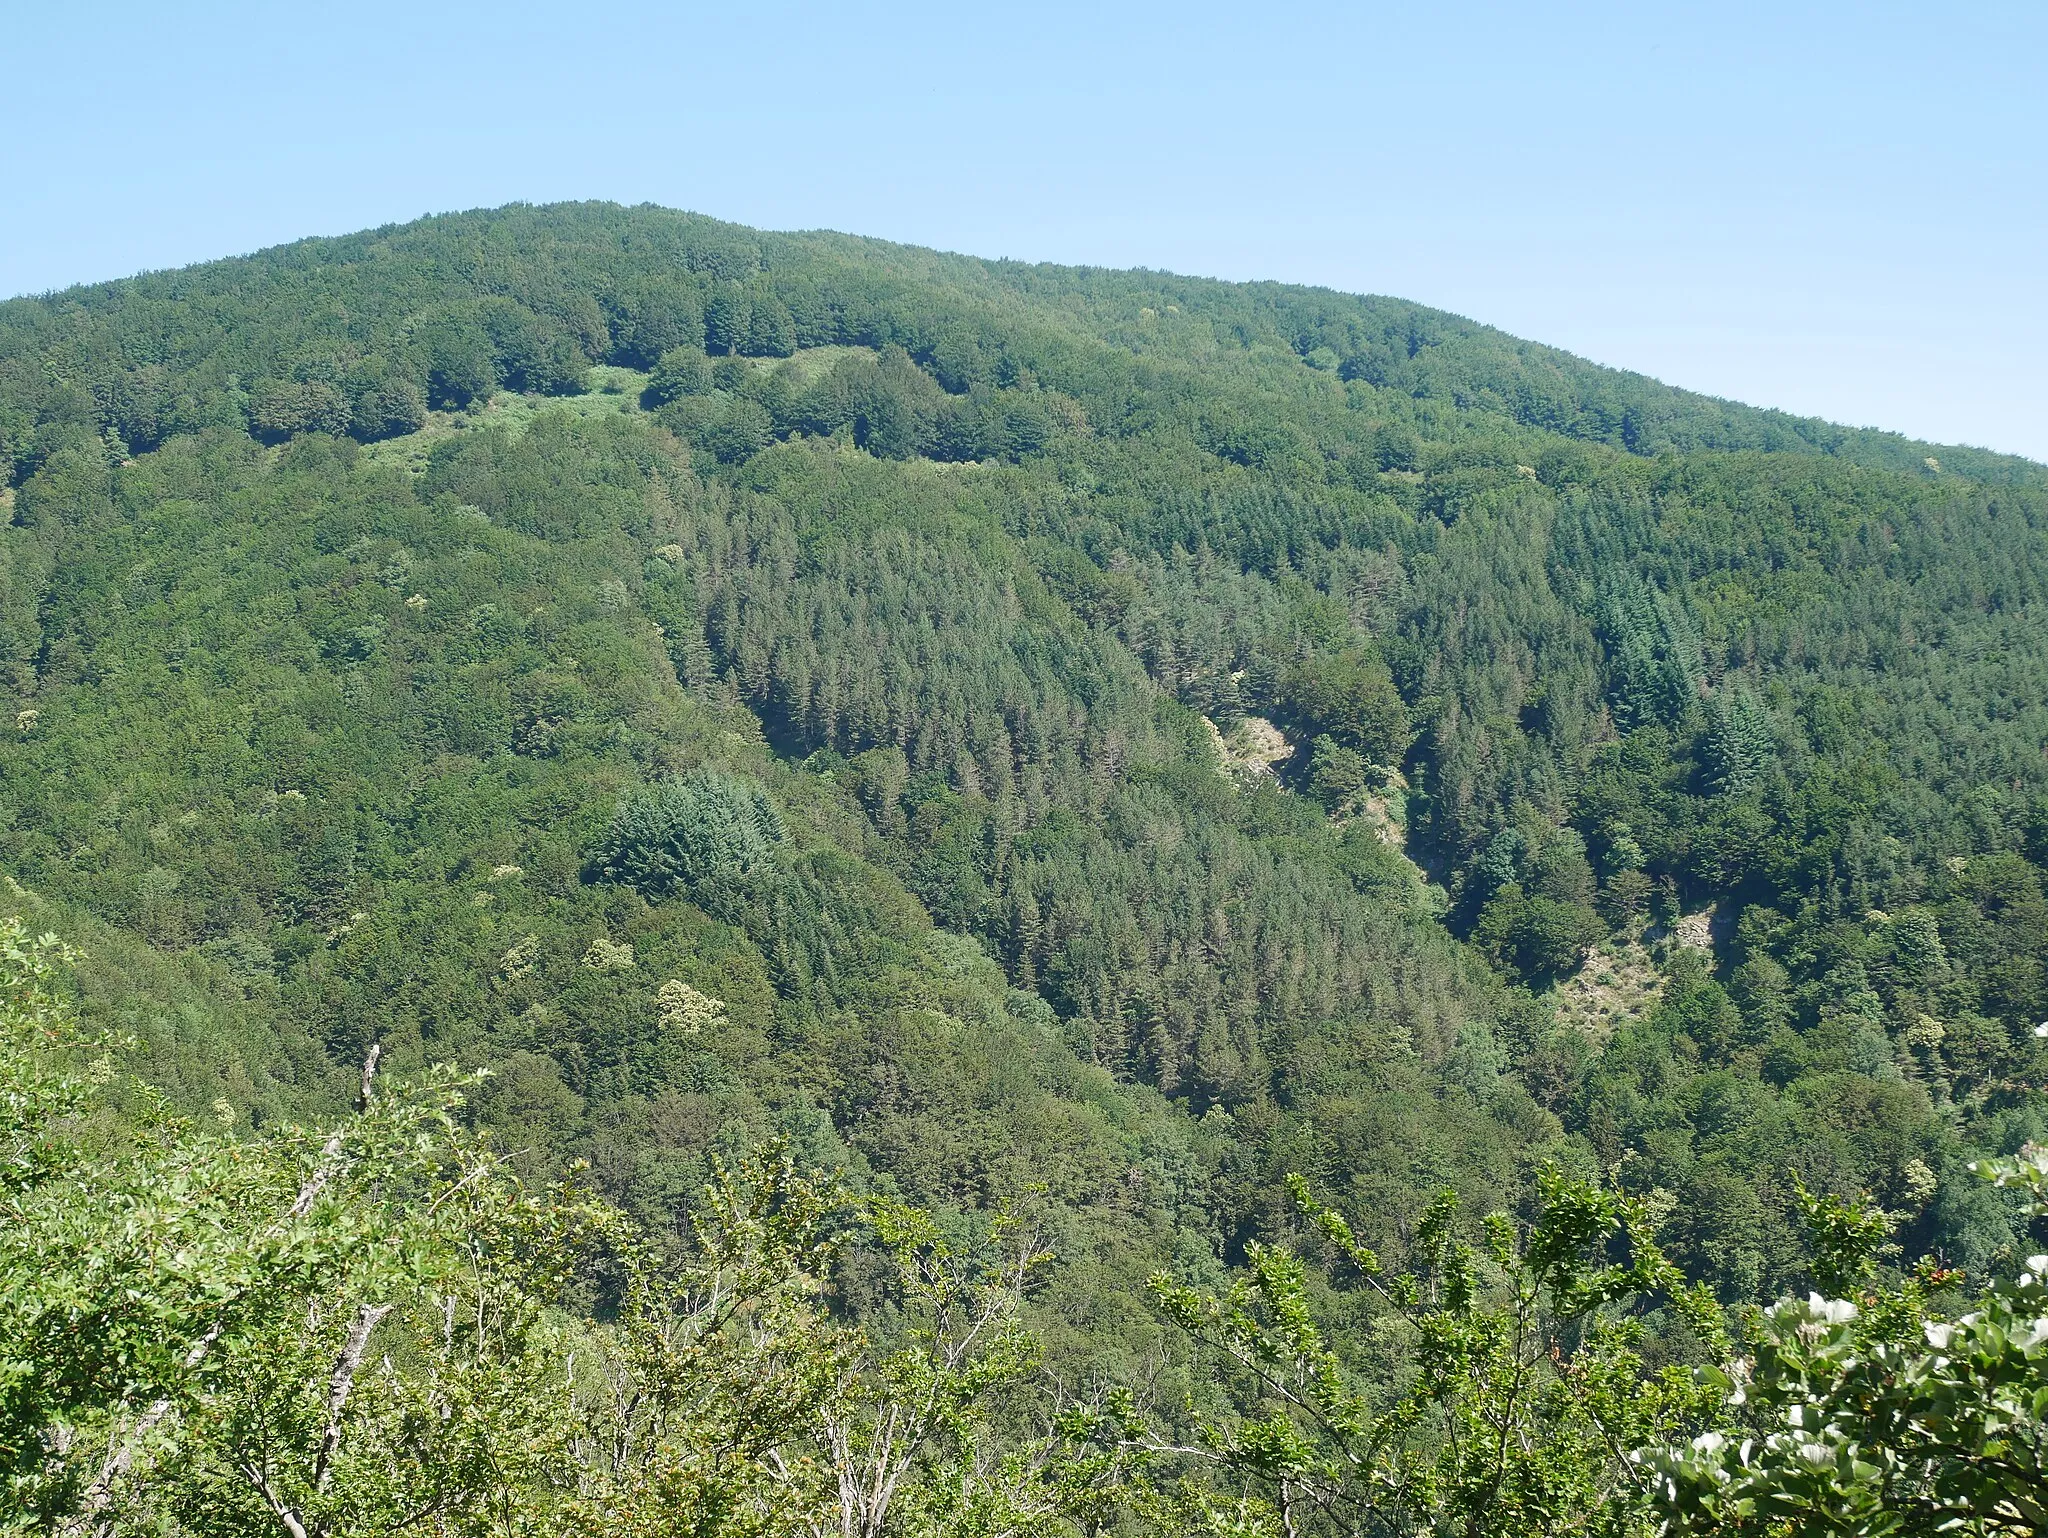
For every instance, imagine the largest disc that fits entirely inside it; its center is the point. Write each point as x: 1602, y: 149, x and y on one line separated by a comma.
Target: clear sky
x: 1835, y: 208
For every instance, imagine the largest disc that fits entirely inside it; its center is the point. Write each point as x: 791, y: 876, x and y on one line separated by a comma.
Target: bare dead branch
x: 345, y: 1368
x: 292, y: 1522
x: 364, y: 1099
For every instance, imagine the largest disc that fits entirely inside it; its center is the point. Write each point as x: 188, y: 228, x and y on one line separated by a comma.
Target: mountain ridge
x: 1567, y: 393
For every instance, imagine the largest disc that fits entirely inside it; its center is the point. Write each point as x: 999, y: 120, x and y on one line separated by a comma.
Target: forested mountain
x: 1100, y: 741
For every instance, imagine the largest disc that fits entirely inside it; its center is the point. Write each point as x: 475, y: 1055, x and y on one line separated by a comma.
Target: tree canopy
x: 1034, y: 746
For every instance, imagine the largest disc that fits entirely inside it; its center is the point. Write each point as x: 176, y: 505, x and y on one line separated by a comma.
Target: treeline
x: 360, y: 334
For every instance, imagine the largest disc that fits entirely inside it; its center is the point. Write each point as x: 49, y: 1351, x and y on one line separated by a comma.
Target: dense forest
x: 992, y: 802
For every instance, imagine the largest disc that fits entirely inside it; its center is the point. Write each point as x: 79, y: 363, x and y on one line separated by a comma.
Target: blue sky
x: 1834, y: 208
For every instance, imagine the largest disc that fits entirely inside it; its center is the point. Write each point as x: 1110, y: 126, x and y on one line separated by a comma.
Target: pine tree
x: 1739, y: 741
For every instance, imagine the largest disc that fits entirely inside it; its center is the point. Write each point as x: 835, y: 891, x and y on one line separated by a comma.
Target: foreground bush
x: 377, y: 1328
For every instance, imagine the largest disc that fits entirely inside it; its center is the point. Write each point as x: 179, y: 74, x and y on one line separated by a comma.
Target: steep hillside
x: 361, y: 597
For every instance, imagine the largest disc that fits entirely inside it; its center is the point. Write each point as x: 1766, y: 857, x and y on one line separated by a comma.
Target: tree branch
x: 94, y: 1499
x: 364, y: 1099
x: 284, y: 1513
x: 345, y: 1368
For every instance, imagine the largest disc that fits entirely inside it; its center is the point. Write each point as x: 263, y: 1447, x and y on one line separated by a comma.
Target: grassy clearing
x: 612, y: 389
x: 1620, y: 981
x: 808, y: 364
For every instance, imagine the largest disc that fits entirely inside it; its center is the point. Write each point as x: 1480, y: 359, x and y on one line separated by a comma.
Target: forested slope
x: 733, y: 683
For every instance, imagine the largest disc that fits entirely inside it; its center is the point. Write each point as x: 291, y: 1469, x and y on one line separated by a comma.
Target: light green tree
x: 370, y: 1330
x: 1518, y: 1390
x: 1877, y: 1410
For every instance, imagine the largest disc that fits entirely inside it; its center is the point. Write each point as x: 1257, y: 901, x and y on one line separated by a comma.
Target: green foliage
x: 1539, y: 936
x: 1881, y: 1412
x: 187, y: 1317
x: 679, y: 371
x: 37, y: 1096
x: 285, y: 408
x: 380, y: 1325
x: 727, y: 318
x: 1657, y: 670
x: 530, y: 353
x: 1740, y: 744
x: 363, y: 1331
x: 652, y: 316
x: 947, y: 560
x: 702, y: 837
x: 1520, y: 1388
x: 727, y: 427
x: 1350, y: 695
x: 1336, y: 773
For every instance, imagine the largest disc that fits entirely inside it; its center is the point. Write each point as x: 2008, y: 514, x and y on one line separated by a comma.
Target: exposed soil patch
x: 1695, y: 930
x: 1621, y: 979
x: 1386, y: 810
x: 1254, y: 745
